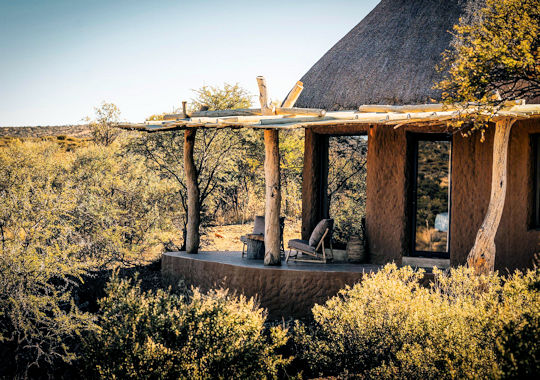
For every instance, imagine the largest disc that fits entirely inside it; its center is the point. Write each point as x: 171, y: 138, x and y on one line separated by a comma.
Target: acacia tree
x: 107, y: 115
x: 209, y: 98
x: 212, y: 152
x: 495, y: 58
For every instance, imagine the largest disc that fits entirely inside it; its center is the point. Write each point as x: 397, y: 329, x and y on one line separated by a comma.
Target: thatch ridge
x: 390, y: 57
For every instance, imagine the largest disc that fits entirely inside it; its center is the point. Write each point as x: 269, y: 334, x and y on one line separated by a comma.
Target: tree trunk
x: 482, y: 255
x: 272, y: 236
x: 193, y: 193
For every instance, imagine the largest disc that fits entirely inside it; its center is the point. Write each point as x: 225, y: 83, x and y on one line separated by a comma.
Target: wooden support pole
x: 184, y: 109
x: 193, y: 194
x: 272, y: 238
x: 263, y: 96
x: 293, y: 95
x: 482, y: 255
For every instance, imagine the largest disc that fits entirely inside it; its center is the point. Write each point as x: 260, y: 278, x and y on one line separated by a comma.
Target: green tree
x: 95, y: 203
x: 495, y: 58
x: 228, y: 97
x: 495, y: 55
x: 347, y: 185
x: 38, y: 320
x: 107, y: 115
x: 215, y: 151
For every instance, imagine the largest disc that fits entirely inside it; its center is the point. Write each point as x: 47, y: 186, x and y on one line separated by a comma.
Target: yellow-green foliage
x: 230, y: 96
x: 347, y: 164
x: 39, y: 323
x: 463, y: 326
x: 95, y: 203
x: 496, y: 50
x: 106, y: 116
x: 164, y: 335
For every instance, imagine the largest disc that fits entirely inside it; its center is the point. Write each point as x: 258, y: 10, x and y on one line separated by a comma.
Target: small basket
x: 357, y: 248
x: 356, y: 251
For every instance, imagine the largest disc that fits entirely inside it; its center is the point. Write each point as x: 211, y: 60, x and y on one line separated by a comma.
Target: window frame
x: 413, y: 140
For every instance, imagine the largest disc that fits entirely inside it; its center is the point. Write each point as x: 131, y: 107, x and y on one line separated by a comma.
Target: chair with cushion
x: 258, y: 229
x: 315, y: 245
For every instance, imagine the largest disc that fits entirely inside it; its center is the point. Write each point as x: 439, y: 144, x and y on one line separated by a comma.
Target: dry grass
x: 430, y: 239
x: 227, y: 238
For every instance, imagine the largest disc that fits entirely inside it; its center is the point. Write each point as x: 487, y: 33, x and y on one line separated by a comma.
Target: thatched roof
x: 390, y: 57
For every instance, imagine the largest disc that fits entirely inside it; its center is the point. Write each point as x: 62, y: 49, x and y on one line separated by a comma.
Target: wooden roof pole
x: 184, y: 109
x: 272, y: 238
x: 293, y: 95
x: 482, y: 255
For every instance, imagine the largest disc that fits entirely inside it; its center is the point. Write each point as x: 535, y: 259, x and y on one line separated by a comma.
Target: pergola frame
x: 272, y: 119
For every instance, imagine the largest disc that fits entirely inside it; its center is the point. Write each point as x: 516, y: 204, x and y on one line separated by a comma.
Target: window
x: 430, y: 197
x: 535, y: 140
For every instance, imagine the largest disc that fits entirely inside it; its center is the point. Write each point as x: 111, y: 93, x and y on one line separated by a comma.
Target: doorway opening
x: 346, y: 186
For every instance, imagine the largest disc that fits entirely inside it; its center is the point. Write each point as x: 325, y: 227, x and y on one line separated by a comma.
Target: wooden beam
x: 193, y: 194
x: 300, y: 111
x: 173, y: 116
x: 263, y: 96
x: 220, y: 113
x: 287, y: 120
x: 482, y: 255
x: 272, y: 238
x: 223, y: 113
x: 293, y: 95
x: 406, y: 108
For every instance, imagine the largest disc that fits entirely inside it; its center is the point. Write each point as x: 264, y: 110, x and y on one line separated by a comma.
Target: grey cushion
x: 302, y: 245
x: 318, y: 232
x: 258, y: 227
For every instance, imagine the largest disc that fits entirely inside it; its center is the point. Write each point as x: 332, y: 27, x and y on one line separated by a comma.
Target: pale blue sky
x: 59, y: 59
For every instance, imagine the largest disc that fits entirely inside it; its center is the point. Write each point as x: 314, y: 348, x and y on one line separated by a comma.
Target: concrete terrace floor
x: 235, y: 258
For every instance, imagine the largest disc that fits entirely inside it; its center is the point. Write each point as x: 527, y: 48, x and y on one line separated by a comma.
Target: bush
x: 463, y: 326
x: 39, y: 323
x: 95, y: 203
x: 165, y: 335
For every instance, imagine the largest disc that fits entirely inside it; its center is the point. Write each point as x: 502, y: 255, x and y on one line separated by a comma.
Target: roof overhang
x: 294, y: 118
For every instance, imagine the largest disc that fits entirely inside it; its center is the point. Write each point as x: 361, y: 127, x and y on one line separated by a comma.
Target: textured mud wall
x: 386, y: 194
x: 282, y: 292
x: 471, y: 168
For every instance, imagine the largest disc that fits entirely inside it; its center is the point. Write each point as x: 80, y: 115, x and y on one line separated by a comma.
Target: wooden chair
x: 314, y: 246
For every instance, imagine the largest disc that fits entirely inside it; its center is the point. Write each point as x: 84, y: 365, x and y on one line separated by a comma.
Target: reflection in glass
x: 432, y: 194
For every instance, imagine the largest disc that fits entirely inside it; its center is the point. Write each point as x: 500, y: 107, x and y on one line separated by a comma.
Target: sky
x: 61, y: 58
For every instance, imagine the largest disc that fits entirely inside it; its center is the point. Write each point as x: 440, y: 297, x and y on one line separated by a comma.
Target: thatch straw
x: 390, y: 57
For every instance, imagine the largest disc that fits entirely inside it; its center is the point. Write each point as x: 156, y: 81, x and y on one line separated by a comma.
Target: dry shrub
x: 463, y: 326
x: 165, y: 335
